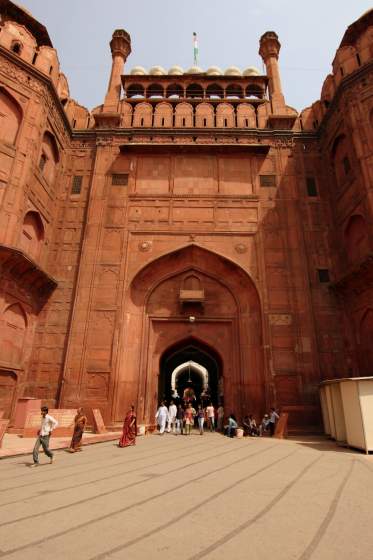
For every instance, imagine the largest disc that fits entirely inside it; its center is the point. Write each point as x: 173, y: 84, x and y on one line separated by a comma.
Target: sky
x: 228, y: 34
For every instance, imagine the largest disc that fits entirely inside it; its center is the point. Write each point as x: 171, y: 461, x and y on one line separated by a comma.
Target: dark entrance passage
x: 190, y: 365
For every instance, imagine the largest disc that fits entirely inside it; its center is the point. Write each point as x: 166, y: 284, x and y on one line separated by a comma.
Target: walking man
x: 273, y: 417
x: 172, y: 412
x: 210, y: 411
x: 48, y: 424
x: 161, y: 417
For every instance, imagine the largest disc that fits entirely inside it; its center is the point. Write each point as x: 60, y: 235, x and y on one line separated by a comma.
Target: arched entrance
x: 191, y: 300
x: 190, y: 364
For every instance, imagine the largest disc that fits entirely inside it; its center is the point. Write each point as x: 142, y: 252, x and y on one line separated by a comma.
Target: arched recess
x: 8, y: 387
x: 188, y: 366
x: 163, y: 115
x: 341, y: 160
x: 32, y: 234
x: 143, y: 115
x: 366, y: 344
x: 49, y: 157
x: 204, y: 115
x: 356, y: 238
x: 10, y: 117
x: 215, y: 91
x: 227, y: 319
x: 13, y: 332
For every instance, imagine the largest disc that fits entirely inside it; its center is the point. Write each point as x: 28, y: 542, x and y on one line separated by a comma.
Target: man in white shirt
x: 48, y: 424
x: 210, y: 411
x: 172, y: 412
x: 161, y: 417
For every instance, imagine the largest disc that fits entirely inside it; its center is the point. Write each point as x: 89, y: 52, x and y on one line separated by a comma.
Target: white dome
x: 214, y: 71
x: 194, y: 70
x: 175, y: 70
x: 233, y: 71
x: 138, y: 71
x: 251, y: 71
x: 157, y: 71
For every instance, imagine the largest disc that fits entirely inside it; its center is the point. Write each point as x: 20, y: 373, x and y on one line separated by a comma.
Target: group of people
x: 177, y: 419
x: 181, y: 419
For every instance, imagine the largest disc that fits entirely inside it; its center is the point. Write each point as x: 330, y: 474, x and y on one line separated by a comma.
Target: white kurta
x: 172, y: 412
x: 161, y: 418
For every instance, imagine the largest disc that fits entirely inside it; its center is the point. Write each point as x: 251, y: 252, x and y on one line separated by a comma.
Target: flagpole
x: 195, y: 49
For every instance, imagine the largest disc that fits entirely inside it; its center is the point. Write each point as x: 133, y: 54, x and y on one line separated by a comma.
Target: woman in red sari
x: 129, y: 429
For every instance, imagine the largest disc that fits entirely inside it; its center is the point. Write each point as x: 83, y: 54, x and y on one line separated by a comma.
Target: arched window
x: 214, y: 91
x: 143, y: 115
x: 234, y: 91
x: 32, y: 235
x: 163, y: 115
x: 10, y: 117
x: 174, y: 90
x: 194, y: 91
x: 49, y: 157
x: 14, y: 324
x: 341, y: 160
x: 356, y: 238
x: 252, y: 90
x: 135, y: 90
x: 155, y: 90
x: 16, y: 47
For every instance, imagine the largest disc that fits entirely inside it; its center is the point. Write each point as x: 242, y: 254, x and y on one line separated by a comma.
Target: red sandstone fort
x: 192, y: 227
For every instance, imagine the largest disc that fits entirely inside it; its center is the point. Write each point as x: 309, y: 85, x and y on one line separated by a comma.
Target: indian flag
x: 195, y: 48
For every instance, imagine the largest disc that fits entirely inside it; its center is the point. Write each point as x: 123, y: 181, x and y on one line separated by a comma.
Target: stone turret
x: 269, y: 51
x: 120, y: 46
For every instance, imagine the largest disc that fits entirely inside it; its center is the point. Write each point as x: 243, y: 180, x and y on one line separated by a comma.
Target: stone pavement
x: 190, y: 498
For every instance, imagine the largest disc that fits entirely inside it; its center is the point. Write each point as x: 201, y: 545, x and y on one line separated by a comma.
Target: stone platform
x: 190, y: 498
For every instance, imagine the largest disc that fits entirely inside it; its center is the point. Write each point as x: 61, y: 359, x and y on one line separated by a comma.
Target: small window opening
x: 162, y: 121
x: 342, y: 71
x: 323, y: 275
x: 16, y: 48
x: 34, y: 58
x: 142, y: 122
x: 311, y: 186
x: 326, y: 103
x: 76, y: 186
x: 50, y: 70
x: 43, y: 161
x: 225, y: 122
x: 183, y: 121
x: 120, y: 179
x: 204, y: 122
x: 246, y: 122
x: 267, y: 180
x: 346, y: 165
x: 74, y: 123
x: 358, y: 59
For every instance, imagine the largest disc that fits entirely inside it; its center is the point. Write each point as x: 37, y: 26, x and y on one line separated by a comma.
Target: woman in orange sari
x: 80, y: 421
x: 129, y: 429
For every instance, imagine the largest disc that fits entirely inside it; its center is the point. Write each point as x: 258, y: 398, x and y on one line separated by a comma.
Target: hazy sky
x: 228, y: 34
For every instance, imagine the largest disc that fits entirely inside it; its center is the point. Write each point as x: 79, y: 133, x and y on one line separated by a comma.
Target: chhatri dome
x: 194, y: 70
x: 157, y: 71
x: 251, y: 71
x: 176, y: 70
x: 138, y: 71
x: 214, y: 71
x: 233, y: 71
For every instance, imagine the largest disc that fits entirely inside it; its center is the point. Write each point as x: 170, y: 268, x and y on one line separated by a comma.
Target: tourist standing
x: 172, y: 412
x: 273, y: 417
x: 220, y: 423
x: 210, y: 411
x: 189, y: 419
x: 179, y: 420
x: 129, y: 429
x: 201, y: 419
x: 80, y: 422
x: 161, y: 417
x: 48, y: 424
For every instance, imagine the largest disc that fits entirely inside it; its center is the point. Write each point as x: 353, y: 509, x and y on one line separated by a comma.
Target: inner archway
x: 190, y: 364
